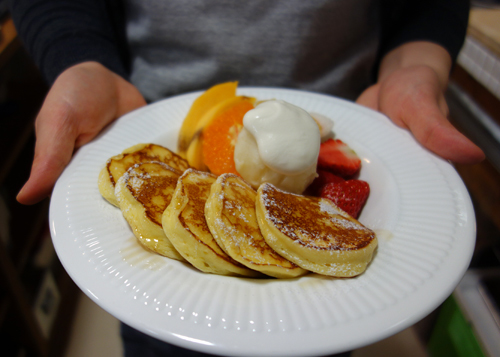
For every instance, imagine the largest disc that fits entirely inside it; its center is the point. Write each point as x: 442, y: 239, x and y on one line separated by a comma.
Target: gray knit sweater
x: 319, y: 45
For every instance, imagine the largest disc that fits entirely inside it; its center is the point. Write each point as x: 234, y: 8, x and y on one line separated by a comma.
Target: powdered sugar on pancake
x: 312, y: 222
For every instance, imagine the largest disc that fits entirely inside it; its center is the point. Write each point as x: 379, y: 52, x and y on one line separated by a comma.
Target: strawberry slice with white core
x: 338, y: 158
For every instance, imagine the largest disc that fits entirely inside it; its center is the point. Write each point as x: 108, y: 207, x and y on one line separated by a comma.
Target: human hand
x: 413, y: 98
x: 82, y: 101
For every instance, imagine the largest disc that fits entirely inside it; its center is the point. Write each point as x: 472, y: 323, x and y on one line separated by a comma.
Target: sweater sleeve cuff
x: 71, y: 50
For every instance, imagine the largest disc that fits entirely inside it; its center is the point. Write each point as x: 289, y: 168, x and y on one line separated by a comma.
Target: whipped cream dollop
x: 279, y: 143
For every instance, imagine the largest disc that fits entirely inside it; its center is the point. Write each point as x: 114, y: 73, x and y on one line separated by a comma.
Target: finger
x: 54, y: 147
x: 369, y: 98
x: 129, y: 98
x: 433, y: 130
x: 446, y: 141
x: 443, y: 106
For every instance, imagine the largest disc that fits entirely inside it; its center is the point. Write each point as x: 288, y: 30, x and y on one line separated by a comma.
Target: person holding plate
x: 104, y: 59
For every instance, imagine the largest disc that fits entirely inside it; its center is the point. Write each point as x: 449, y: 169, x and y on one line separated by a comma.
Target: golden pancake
x: 314, y: 233
x: 185, y: 225
x: 143, y: 193
x: 230, y: 215
x: 119, y: 164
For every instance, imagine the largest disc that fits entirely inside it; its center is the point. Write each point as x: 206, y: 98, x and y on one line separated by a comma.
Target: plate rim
x: 59, y: 199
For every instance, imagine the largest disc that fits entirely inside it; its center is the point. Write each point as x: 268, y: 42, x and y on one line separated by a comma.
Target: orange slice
x: 219, y: 138
x: 206, y: 101
x: 194, y: 153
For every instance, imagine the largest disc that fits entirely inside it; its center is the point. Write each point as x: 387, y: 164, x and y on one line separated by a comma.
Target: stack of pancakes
x: 221, y: 225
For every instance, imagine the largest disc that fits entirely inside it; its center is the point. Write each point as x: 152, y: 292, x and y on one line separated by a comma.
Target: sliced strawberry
x: 350, y: 195
x: 323, y: 178
x: 338, y: 158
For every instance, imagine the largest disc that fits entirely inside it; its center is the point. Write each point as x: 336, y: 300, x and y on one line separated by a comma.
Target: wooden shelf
x: 482, y: 180
x: 9, y: 43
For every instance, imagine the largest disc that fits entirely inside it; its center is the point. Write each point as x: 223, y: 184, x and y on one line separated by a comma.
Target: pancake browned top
x: 313, y: 223
x: 152, y: 184
x: 238, y: 210
x: 195, y: 185
x: 197, y: 191
x: 119, y: 164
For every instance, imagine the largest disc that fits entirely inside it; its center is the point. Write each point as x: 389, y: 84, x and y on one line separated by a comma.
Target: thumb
x: 55, y: 138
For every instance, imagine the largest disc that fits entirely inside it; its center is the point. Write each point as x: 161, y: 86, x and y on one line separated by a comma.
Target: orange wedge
x: 203, y: 104
x: 194, y: 153
x: 219, y: 137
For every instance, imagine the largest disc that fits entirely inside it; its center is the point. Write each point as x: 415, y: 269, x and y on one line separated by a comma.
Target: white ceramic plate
x: 418, y: 206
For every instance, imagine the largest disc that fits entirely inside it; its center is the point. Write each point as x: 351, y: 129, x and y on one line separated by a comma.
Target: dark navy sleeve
x: 443, y: 22
x: 62, y: 33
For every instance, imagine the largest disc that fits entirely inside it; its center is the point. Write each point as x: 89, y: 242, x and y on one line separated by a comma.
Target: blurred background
x: 43, y: 313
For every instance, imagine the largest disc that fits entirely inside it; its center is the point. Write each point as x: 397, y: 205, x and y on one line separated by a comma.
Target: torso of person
x: 178, y: 46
